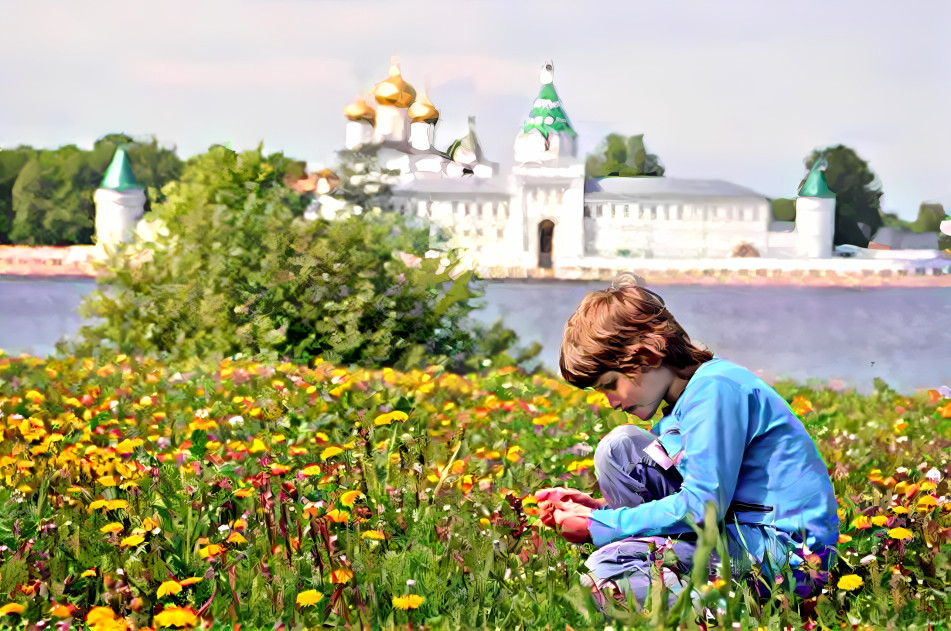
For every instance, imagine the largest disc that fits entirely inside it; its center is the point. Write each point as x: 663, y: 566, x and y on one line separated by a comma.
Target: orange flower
x: 801, y: 405
x: 347, y: 498
x: 861, y: 523
x: 341, y: 575
x: 212, y: 550
x: 338, y: 516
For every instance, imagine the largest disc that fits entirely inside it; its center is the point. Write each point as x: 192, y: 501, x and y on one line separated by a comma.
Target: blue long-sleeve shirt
x: 741, y: 442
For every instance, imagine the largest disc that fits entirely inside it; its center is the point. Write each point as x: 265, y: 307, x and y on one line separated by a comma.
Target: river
x: 849, y: 335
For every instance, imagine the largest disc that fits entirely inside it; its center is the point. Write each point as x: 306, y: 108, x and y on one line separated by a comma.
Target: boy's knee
x: 614, y: 450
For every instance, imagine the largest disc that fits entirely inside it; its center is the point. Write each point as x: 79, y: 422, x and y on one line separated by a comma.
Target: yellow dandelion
x: 545, y: 419
x: 880, y: 520
x: 899, y: 510
x: 843, y: 538
x: 312, y: 469
x: 131, y: 542
x: 167, y: 588
x: 176, y: 617
x: 9, y: 608
x: 100, y: 618
x: 113, y: 527
x: 309, y: 598
x: 900, y: 533
x: 412, y: 601
x: 190, y: 581
x: 88, y: 573
x: 389, y: 417
x: 330, y: 452
x: 372, y: 534
x: 850, y: 582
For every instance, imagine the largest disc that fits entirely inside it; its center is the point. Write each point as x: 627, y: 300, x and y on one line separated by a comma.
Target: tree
x: 857, y: 195
x: 784, y: 209
x: 622, y: 157
x: 930, y: 216
x: 242, y: 270
x: 51, y: 197
x: 12, y: 162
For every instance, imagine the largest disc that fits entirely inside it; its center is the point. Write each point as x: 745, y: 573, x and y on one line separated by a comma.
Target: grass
x: 134, y: 496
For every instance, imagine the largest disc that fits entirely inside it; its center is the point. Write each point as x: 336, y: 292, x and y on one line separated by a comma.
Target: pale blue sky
x: 735, y: 90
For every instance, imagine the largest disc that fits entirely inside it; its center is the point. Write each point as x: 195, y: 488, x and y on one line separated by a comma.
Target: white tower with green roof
x: 815, y: 214
x: 548, y: 180
x: 547, y: 134
x: 120, y: 203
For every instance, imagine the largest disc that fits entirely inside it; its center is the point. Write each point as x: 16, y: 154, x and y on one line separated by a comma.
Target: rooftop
x: 634, y: 188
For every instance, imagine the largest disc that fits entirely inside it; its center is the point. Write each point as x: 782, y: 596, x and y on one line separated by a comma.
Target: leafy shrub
x: 238, y: 269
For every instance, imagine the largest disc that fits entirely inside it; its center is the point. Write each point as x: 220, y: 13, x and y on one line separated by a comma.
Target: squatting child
x: 725, y: 436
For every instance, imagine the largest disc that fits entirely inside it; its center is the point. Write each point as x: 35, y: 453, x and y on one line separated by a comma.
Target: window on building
x: 627, y: 211
x: 587, y: 211
x: 600, y: 211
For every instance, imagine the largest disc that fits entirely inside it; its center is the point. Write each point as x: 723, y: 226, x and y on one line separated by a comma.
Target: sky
x: 728, y: 89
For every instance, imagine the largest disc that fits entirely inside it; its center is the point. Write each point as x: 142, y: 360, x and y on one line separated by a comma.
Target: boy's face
x: 640, y: 395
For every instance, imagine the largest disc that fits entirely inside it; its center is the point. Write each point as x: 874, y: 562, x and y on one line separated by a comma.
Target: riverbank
x: 80, y: 261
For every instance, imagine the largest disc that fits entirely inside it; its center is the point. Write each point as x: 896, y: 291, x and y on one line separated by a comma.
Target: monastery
x: 545, y: 215
x: 545, y: 219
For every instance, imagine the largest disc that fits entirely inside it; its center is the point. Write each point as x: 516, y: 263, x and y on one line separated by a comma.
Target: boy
x: 726, y: 436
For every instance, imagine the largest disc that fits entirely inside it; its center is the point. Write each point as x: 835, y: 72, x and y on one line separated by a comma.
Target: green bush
x: 242, y: 270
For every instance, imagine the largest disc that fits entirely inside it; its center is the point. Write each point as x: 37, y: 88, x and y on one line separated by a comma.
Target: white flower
x: 867, y: 559
x: 236, y: 420
x: 934, y: 475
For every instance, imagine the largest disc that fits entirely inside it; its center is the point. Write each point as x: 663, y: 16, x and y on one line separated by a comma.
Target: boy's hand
x: 568, y: 518
x: 562, y: 494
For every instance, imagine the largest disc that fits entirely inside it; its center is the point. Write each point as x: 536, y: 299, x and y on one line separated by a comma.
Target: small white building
x: 120, y: 203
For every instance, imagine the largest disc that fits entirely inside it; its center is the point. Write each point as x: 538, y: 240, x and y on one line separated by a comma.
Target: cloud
x: 274, y: 73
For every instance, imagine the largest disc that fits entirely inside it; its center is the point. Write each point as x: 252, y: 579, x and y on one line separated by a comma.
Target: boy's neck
x: 679, y: 384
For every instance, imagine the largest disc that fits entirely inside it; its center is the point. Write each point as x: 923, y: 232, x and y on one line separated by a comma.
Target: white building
x: 545, y: 215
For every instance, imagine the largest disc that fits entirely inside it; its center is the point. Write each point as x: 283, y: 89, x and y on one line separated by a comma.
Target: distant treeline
x: 46, y: 195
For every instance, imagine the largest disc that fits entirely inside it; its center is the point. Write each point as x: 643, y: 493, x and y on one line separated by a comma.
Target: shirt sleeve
x: 714, y: 427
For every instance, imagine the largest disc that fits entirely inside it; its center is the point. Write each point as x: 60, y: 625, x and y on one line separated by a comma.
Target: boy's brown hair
x: 625, y: 329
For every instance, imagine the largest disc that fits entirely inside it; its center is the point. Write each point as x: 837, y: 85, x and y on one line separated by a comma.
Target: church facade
x: 546, y: 214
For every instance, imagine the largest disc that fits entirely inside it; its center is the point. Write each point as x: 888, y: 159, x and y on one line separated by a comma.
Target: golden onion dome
x: 423, y: 111
x: 394, y: 91
x: 359, y: 110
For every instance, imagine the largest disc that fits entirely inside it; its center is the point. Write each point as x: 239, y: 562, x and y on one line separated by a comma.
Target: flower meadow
x: 250, y: 495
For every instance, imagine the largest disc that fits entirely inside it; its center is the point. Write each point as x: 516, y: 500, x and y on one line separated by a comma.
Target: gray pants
x: 627, y: 562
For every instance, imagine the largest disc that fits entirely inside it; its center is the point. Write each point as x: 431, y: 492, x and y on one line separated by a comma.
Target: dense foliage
x: 255, y: 492
x: 238, y: 268
x: 858, y: 194
x: 46, y: 195
x: 620, y: 156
